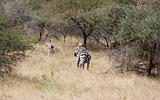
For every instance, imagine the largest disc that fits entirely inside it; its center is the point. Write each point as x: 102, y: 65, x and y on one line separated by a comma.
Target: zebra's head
x: 76, y: 52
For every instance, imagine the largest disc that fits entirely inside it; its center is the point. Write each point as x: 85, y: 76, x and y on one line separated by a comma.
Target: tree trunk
x: 151, y: 66
x: 151, y: 60
x: 40, y: 36
x: 46, y: 36
x: 64, y: 39
x: 85, y: 40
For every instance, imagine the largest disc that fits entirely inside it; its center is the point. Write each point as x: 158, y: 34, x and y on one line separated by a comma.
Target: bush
x: 36, y: 4
x: 140, y: 37
x: 12, y: 45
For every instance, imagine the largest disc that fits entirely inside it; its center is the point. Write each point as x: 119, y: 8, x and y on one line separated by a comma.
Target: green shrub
x: 12, y: 40
x: 12, y: 45
x: 140, y: 34
x: 36, y: 4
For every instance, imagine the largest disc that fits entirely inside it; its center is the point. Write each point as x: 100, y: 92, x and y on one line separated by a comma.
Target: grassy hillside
x: 57, y: 78
x: 124, y: 33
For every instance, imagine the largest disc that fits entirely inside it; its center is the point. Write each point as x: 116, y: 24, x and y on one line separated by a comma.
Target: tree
x: 106, y: 21
x: 76, y: 11
x: 140, y: 32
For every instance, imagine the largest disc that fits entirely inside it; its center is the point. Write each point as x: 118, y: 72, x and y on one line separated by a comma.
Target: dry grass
x: 57, y: 78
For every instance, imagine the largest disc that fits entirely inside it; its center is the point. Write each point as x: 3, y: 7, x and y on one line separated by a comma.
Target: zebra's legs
x: 78, y: 62
x: 83, y: 65
x: 88, y: 65
x: 49, y: 53
x: 80, y: 66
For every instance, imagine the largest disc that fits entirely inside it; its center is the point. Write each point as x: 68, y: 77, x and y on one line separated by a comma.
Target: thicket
x: 129, y: 29
x: 12, y: 41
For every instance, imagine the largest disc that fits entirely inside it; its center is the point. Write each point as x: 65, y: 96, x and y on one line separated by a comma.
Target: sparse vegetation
x: 119, y: 34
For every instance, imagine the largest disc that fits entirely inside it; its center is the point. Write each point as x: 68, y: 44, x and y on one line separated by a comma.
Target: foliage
x: 127, y: 26
x: 140, y: 35
x: 11, y: 40
x: 36, y: 4
x: 12, y: 45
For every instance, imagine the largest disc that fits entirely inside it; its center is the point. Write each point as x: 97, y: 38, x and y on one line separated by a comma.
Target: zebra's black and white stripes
x: 83, y: 57
x: 50, y: 48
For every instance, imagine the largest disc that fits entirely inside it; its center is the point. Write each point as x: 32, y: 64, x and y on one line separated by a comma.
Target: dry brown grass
x: 57, y: 78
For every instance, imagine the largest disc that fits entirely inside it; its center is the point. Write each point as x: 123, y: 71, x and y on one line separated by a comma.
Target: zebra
x: 50, y: 48
x: 83, y: 57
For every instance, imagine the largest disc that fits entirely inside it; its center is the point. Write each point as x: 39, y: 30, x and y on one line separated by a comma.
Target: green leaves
x: 140, y: 30
x: 12, y: 40
x: 36, y: 4
x: 141, y: 23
